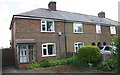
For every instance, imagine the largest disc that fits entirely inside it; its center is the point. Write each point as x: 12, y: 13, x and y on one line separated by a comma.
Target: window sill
x: 48, y: 31
x: 78, y: 32
x: 99, y: 33
x: 48, y: 55
x: 24, y: 62
x: 113, y: 34
x: 75, y: 52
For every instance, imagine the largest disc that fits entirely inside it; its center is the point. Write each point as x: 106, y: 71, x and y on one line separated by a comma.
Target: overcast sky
x: 90, y: 7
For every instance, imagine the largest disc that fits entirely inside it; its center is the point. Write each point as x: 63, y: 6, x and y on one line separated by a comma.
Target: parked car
x: 105, y: 50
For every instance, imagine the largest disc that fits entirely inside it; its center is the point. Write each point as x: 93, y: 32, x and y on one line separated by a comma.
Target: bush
x: 89, y: 54
x: 33, y: 66
x: 44, y: 63
x: 107, y: 65
x: 55, y: 62
x: 74, y: 61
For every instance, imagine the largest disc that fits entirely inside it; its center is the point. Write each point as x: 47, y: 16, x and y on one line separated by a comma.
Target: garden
x: 89, y: 57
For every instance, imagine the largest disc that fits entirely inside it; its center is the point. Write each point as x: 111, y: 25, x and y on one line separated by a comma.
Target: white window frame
x: 112, y: 30
x: 98, y: 29
x: 77, y: 46
x: 47, y: 49
x: 46, y: 25
x: 74, y: 27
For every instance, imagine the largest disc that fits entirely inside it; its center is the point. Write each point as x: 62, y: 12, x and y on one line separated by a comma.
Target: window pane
x: 76, y: 49
x: 78, y: 28
x: 43, y: 27
x: 43, y: 21
x: 30, y: 46
x: 98, y: 29
x: 77, y: 46
x: 44, y: 52
x: 80, y: 45
x: 31, y: 52
x: 44, y: 45
x: 49, y: 26
x: 50, y: 49
x: 113, y: 30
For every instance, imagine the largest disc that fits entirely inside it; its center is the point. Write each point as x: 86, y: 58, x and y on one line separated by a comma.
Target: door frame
x: 27, y: 53
x: 34, y: 52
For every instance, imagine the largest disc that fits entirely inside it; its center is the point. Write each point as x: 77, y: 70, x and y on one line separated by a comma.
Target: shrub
x: 89, y: 54
x: 44, y: 63
x: 116, y: 41
x: 33, y: 66
x: 55, y: 62
x: 107, y: 65
x: 74, y: 61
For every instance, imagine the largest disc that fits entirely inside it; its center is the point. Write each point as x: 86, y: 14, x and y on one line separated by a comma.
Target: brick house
x: 51, y: 34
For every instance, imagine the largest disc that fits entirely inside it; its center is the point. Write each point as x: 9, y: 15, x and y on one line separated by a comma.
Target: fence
x: 7, y: 57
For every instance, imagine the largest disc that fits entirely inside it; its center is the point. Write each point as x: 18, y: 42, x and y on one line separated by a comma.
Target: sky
x: 8, y: 8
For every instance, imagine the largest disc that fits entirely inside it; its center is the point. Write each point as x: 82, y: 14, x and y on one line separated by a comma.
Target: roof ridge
x: 67, y: 12
x: 79, y: 13
x: 67, y: 15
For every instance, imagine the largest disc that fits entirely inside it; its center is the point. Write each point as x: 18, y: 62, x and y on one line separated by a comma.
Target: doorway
x: 26, y: 53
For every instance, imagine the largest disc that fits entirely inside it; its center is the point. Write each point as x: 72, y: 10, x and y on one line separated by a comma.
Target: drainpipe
x: 59, y: 35
x: 65, y: 39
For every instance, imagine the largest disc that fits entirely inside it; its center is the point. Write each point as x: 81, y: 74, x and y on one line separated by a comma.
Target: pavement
x: 11, y: 69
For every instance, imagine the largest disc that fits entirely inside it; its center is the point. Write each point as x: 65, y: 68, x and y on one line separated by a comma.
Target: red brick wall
x: 31, y: 29
x: 88, y: 36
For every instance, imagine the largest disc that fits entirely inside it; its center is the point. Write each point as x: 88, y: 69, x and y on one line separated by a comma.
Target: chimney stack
x: 101, y: 14
x: 52, y: 5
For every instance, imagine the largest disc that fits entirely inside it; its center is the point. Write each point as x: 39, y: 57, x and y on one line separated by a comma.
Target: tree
x: 116, y: 42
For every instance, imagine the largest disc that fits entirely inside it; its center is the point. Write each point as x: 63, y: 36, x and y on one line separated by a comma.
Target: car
x: 105, y: 50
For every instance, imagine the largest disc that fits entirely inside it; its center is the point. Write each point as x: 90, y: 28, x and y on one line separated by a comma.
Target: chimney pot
x: 101, y: 14
x: 52, y: 5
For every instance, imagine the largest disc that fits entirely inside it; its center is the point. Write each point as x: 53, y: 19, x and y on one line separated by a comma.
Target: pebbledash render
x: 52, y: 34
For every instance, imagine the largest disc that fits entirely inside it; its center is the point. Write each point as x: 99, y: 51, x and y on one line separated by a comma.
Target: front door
x: 24, y: 57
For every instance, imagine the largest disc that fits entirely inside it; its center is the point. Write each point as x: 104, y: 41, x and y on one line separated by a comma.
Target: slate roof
x: 68, y: 16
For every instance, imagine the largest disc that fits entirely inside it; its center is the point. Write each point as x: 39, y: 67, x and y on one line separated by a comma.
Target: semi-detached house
x: 51, y: 34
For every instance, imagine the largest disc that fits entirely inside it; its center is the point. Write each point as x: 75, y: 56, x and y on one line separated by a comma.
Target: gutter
x: 32, y: 17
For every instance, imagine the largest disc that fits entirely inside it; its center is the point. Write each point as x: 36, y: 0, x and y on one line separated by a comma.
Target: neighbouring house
x: 51, y: 34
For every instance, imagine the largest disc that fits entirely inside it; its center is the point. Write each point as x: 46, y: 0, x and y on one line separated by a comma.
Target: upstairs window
x: 98, y: 29
x: 47, y: 26
x: 48, y: 49
x: 78, y: 28
x: 77, y: 46
x: 112, y: 30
